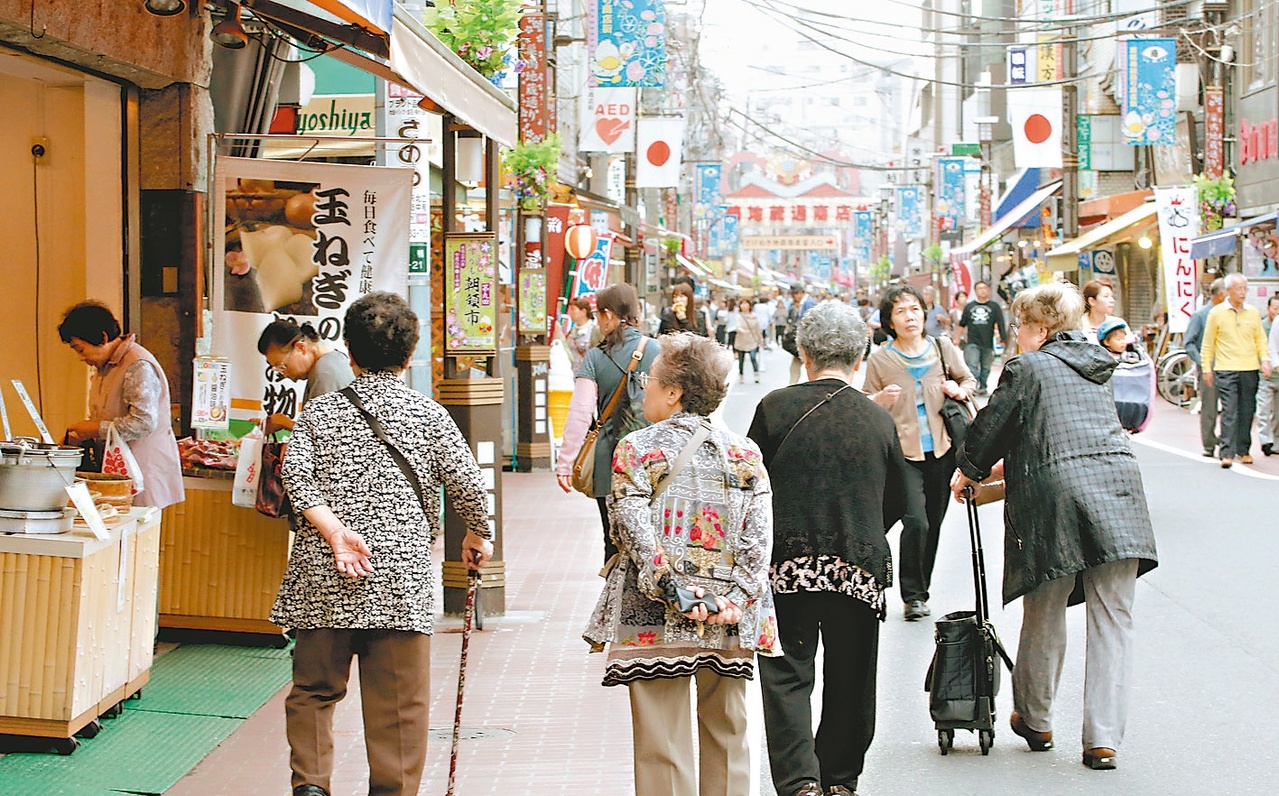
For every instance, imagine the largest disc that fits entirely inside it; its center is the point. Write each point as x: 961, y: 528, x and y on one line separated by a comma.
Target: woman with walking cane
x: 1076, y: 522
x: 363, y: 470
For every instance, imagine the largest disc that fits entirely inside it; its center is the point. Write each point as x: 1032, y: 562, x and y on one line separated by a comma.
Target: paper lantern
x: 579, y: 241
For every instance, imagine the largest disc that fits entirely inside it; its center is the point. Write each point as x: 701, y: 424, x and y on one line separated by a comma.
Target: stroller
x: 963, y: 678
x: 1134, y: 386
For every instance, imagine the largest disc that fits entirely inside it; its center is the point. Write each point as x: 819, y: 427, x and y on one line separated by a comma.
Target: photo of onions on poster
x: 301, y: 241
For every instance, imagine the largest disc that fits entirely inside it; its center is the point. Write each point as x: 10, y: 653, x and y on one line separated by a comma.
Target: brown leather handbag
x: 272, y: 499
x: 583, y: 478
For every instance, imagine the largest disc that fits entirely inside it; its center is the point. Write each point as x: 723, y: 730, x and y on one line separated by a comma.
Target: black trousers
x: 1238, y: 392
x: 610, y: 549
x: 927, y: 498
x: 849, y: 632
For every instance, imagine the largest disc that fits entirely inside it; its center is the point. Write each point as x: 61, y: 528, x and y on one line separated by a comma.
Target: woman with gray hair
x: 831, y: 562
x: 1076, y: 523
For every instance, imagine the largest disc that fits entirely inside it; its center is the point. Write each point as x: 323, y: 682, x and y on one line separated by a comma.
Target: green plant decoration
x: 880, y: 269
x: 1216, y: 199
x: 479, y: 31
x: 529, y: 165
x: 932, y: 255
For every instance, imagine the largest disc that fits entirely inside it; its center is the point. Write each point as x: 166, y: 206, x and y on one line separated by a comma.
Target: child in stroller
x: 1134, y: 379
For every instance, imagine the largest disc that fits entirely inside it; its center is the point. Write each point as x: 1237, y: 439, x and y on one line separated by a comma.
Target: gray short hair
x: 1235, y: 278
x: 1056, y: 306
x: 832, y: 334
x: 1217, y: 287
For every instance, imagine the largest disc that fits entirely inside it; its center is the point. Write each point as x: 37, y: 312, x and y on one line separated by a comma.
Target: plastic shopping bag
x: 248, y: 470
x: 117, y: 459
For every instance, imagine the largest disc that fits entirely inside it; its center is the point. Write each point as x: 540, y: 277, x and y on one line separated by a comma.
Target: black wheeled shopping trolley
x: 963, y: 678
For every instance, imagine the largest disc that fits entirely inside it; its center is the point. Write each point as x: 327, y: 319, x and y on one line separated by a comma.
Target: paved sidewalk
x: 531, y: 682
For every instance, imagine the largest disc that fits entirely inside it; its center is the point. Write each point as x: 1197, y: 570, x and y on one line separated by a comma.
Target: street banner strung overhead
x: 658, y: 141
x: 1034, y: 114
x: 301, y: 241
x: 1150, y: 91
x: 627, y: 43
x: 909, y: 218
x: 950, y: 201
x: 1178, y: 210
x: 607, y: 120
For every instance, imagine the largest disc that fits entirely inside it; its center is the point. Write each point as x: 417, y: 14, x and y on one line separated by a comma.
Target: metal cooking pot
x: 34, y: 476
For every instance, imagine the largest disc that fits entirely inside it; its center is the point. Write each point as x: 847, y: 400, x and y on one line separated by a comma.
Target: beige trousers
x: 662, y: 725
x: 395, y: 693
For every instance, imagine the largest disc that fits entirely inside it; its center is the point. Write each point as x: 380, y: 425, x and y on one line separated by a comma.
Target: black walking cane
x: 472, y: 586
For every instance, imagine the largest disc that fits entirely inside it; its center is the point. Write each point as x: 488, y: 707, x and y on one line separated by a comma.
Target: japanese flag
x: 657, y: 152
x: 1035, y: 117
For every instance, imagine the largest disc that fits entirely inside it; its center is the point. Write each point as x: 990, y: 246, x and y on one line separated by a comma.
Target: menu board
x: 470, y: 293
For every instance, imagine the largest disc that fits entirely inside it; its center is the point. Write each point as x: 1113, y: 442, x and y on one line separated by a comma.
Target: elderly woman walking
x: 912, y: 375
x: 690, y: 509
x: 1076, y: 523
x: 360, y: 578
x: 838, y: 482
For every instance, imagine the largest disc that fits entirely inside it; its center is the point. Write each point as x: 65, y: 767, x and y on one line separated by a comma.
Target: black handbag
x: 956, y: 415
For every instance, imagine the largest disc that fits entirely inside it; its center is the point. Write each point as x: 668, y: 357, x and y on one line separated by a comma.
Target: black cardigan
x: 838, y: 481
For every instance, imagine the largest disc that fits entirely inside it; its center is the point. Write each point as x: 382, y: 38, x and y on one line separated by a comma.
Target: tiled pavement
x: 529, y: 674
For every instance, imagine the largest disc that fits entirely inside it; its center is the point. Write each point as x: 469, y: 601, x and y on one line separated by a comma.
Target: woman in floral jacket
x: 705, y: 526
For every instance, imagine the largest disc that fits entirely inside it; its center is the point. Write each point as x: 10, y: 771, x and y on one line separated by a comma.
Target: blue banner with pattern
x: 950, y: 198
x: 627, y: 40
x: 909, y: 216
x: 1150, y: 96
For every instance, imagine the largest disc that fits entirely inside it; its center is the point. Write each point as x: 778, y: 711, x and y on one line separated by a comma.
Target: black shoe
x: 309, y: 790
x: 916, y: 609
x: 1268, y: 449
x: 808, y: 789
x: 1210, y: 453
x: 841, y: 790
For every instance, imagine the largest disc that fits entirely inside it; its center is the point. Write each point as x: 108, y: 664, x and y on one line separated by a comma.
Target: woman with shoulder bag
x: 912, y: 375
x: 687, y: 599
x: 608, y: 390
x: 748, y: 340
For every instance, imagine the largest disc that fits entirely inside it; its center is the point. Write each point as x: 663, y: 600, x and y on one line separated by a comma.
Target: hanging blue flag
x: 1150, y: 95
x: 863, y: 235
x: 950, y: 198
x: 707, y: 186
x: 627, y: 41
x: 909, y: 220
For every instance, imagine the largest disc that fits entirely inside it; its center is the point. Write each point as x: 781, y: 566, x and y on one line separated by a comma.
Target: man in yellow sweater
x: 1236, y: 346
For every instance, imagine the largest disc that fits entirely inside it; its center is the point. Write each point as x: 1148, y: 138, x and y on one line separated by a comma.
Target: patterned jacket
x: 333, y: 459
x: 1074, y: 492
x: 712, y: 527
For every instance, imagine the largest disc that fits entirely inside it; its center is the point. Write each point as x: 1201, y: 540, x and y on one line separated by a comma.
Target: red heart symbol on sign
x: 609, y: 130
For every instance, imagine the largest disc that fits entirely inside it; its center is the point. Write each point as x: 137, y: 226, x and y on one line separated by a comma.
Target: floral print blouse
x: 333, y: 459
x: 711, y: 527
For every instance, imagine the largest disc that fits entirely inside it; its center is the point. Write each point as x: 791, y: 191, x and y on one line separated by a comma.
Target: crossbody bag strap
x: 617, y: 394
x: 400, y: 460
x: 941, y: 357
x: 804, y: 417
x: 702, y: 433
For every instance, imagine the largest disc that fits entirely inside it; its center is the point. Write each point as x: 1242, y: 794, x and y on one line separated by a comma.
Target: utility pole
x: 1070, y: 138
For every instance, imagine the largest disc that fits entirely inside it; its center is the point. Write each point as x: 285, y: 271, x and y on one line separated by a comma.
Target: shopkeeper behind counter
x: 130, y: 390
x: 295, y: 352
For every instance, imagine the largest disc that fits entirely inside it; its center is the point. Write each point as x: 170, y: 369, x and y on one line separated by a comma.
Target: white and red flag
x: 1035, y: 117
x: 657, y: 151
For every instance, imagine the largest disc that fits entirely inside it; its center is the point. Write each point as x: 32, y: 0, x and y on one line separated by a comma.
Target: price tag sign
x: 83, y: 501
x: 31, y: 410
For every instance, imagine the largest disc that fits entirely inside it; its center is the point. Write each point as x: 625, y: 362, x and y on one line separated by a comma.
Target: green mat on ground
x: 197, y: 696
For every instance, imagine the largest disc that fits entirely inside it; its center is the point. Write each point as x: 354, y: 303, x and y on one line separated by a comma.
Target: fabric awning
x: 420, y: 62
x: 1018, y: 214
x: 697, y: 270
x: 1066, y: 256
x: 1226, y: 240
x: 1020, y: 188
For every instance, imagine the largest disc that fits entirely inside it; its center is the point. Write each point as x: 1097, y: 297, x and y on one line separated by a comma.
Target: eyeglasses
x: 278, y: 367
x: 1013, y: 327
x: 644, y: 379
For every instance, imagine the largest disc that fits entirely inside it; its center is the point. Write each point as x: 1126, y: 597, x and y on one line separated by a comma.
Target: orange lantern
x: 580, y: 241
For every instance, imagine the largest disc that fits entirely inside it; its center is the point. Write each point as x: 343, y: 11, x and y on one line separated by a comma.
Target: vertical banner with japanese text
x: 1214, y: 131
x: 1178, y: 210
x: 1150, y: 96
x: 406, y: 120
x: 626, y: 40
x: 533, y: 78
x: 532, y: 292
x: 470, y: 293
x: 300, y: 241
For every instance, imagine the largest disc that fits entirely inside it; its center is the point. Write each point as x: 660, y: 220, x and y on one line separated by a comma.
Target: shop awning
x: 1020, y: 188
x: 698, y: 271
x: 412, y: 58
x: 1104, y: 208
x: 1066, y: 256
x: 1018, y: 214
x: 374, y: 15
x: 1225, y: 240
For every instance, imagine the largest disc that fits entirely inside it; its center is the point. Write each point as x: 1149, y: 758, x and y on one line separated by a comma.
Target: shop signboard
x: 1103, y: 262
x: 791, y: 242
x: 1178, y: 211
x: 592, y: 271
x: 406, y: 120
x: 533, y: 88
x: 627, y: 42
x: 470, y: 293
x: 910, y: 221
x: 1150, y: 94
x: 532, y: 292
x: 607, y: 120
x: 1083, y: 141
x: 302, y: 241
x: 211, y: 393
x: 1021, y: 65
x: 1214, y: 131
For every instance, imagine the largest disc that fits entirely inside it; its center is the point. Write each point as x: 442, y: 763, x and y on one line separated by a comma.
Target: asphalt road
x: 1206, y: 676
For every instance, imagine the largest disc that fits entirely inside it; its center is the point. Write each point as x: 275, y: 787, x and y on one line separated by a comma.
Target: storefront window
x: 1260, y: 50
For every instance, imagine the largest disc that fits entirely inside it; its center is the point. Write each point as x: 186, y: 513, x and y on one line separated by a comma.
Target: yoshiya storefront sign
x: 300, y: 241
x: 346, y: 115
